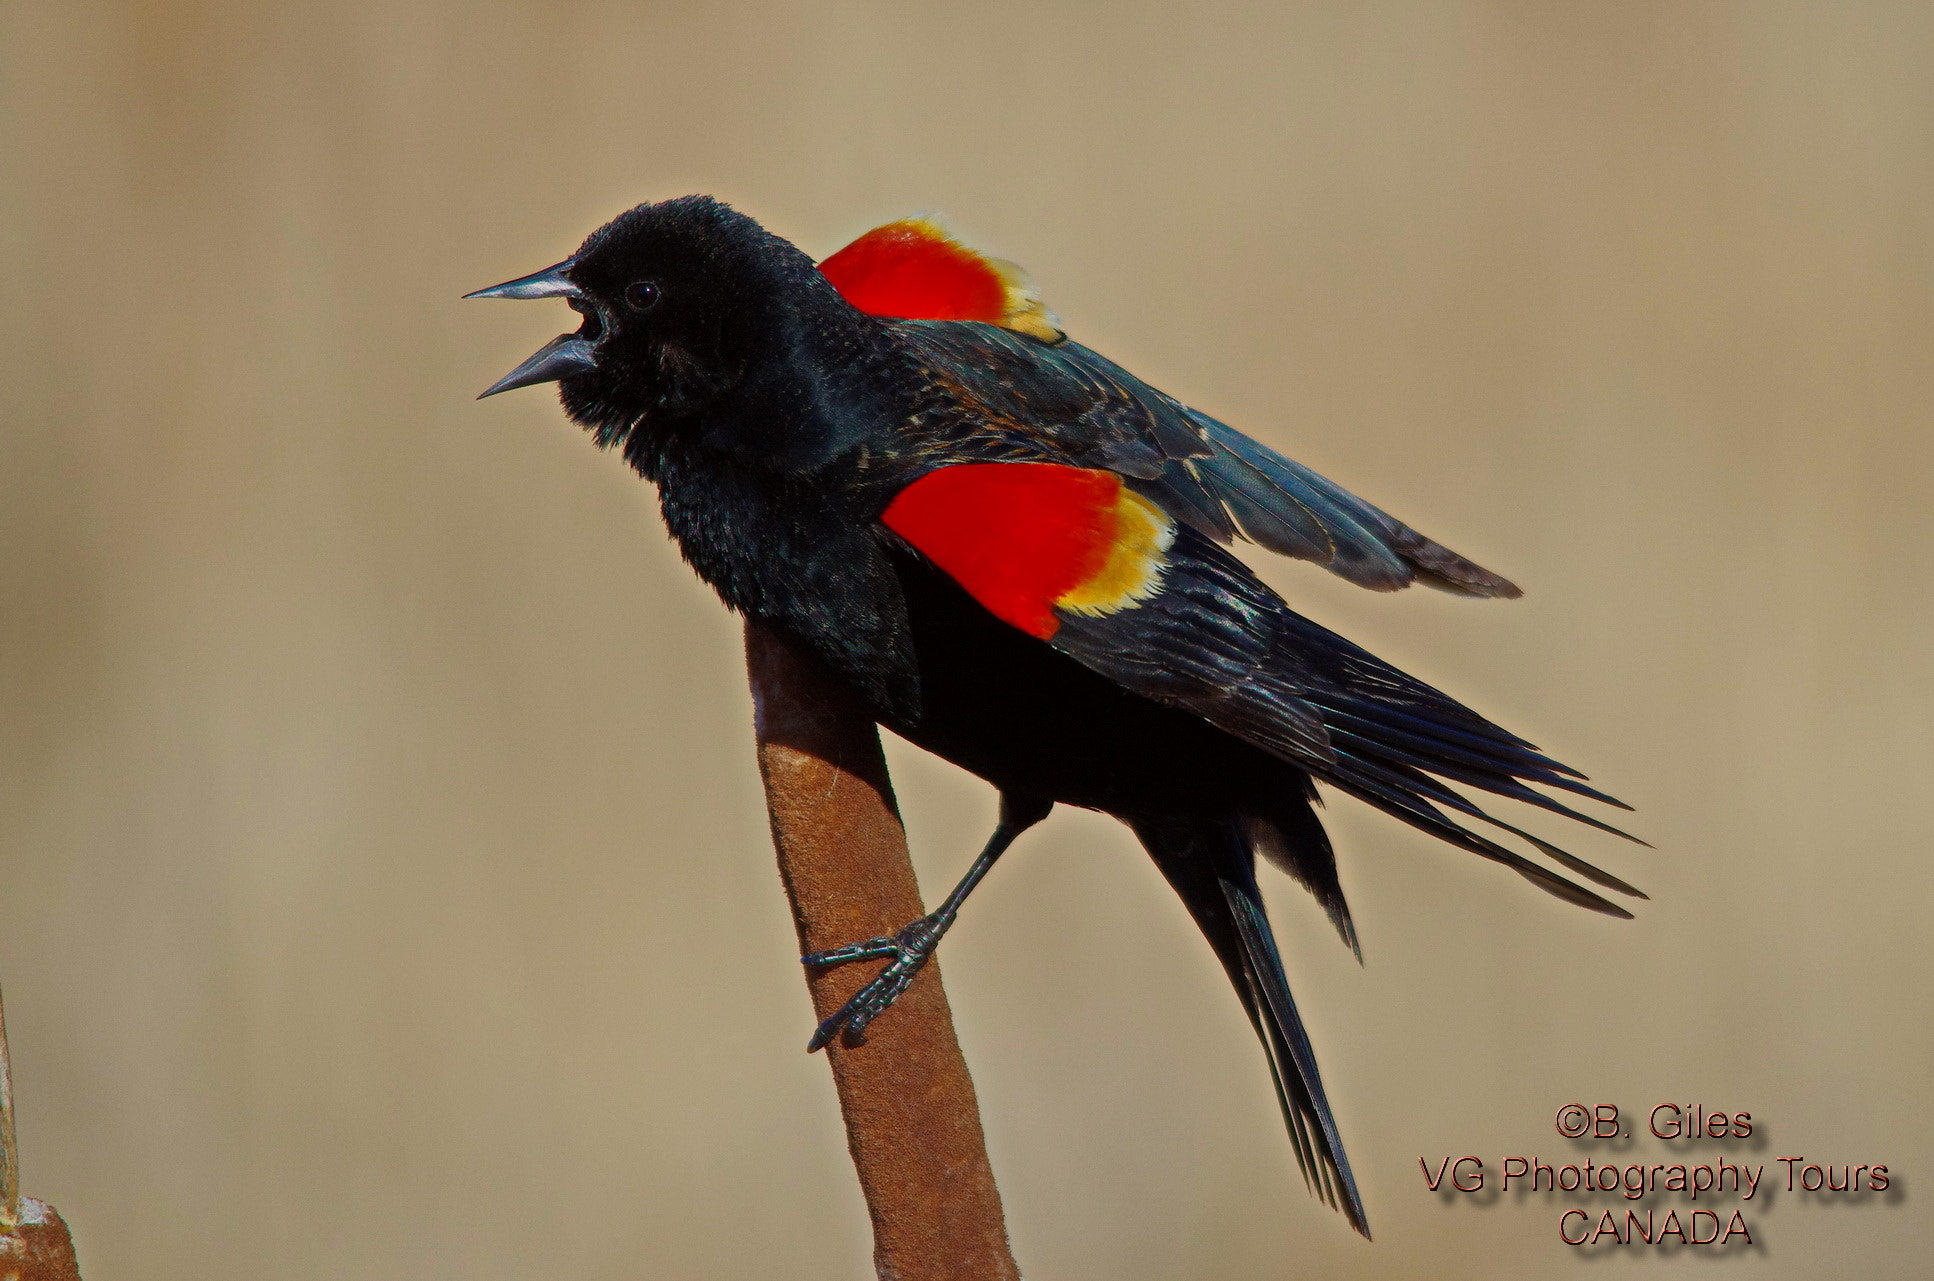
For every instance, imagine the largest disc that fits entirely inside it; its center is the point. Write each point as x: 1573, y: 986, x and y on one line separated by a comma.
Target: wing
x: 1100, y: 571
x: 1016, y: 381
x: 1075, y: 405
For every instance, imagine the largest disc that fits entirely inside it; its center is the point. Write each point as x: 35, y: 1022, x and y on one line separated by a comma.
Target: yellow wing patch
x: 1136, y: 559
x: 1025, y: 310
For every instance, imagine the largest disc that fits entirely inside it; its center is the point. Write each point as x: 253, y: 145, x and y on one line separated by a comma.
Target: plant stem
x: 912, y: 1121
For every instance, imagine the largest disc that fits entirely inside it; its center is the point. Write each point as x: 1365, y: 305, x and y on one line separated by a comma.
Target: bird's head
x: 679, y: 299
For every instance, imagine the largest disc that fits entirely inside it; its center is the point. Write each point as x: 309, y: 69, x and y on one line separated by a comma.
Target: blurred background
x: 385, y: 889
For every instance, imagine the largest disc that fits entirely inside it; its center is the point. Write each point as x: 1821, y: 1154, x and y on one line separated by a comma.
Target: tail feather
x: 1211, y: 864
x: 1286, y: 831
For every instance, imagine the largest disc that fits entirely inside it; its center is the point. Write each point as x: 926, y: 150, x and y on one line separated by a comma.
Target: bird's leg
x: 912, y: 946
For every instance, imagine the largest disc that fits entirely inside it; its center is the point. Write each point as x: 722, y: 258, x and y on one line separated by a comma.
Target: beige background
x: 386, y: 889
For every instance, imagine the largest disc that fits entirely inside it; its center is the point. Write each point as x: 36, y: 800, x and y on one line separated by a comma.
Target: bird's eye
x: 642, y: 295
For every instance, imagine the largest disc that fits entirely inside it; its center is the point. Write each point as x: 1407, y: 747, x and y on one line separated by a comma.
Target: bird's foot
x: 910, y: 949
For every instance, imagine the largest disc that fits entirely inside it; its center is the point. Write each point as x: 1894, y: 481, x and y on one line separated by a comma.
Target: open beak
x: 563, y: 355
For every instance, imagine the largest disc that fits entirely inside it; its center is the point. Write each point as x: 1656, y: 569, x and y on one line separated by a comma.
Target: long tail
x: 1211, y: 864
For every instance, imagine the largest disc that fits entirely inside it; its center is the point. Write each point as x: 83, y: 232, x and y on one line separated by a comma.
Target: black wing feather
x: 1204, y: 643
x: 1366, y: 545
x: 1214, y: 639
x: 1012, y: 395
x: 1218, y: 642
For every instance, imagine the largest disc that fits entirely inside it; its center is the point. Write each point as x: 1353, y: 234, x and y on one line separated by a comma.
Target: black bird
x: 1014, y: 551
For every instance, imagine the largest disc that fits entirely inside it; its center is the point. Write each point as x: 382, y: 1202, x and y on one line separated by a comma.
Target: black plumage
x: 780, y: 423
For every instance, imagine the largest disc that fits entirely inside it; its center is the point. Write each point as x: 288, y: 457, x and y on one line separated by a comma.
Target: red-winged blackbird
x: 1013, y: 550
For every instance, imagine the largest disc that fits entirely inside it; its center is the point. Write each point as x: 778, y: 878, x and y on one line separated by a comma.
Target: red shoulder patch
x: 914, y: 270
x: 1017, y: 536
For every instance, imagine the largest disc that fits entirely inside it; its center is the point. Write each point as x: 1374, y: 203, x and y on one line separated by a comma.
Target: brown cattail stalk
x: 9, y: 1145
x: 912, y: 1122
x: 34, y: 1244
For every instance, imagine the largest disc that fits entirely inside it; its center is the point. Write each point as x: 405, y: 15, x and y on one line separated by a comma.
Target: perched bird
x: 1014, y: 551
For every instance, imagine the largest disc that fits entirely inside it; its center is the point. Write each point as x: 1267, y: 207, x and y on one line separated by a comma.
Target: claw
x: 910, y: 949
x: 913, y: 946
x: 881, y: 946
